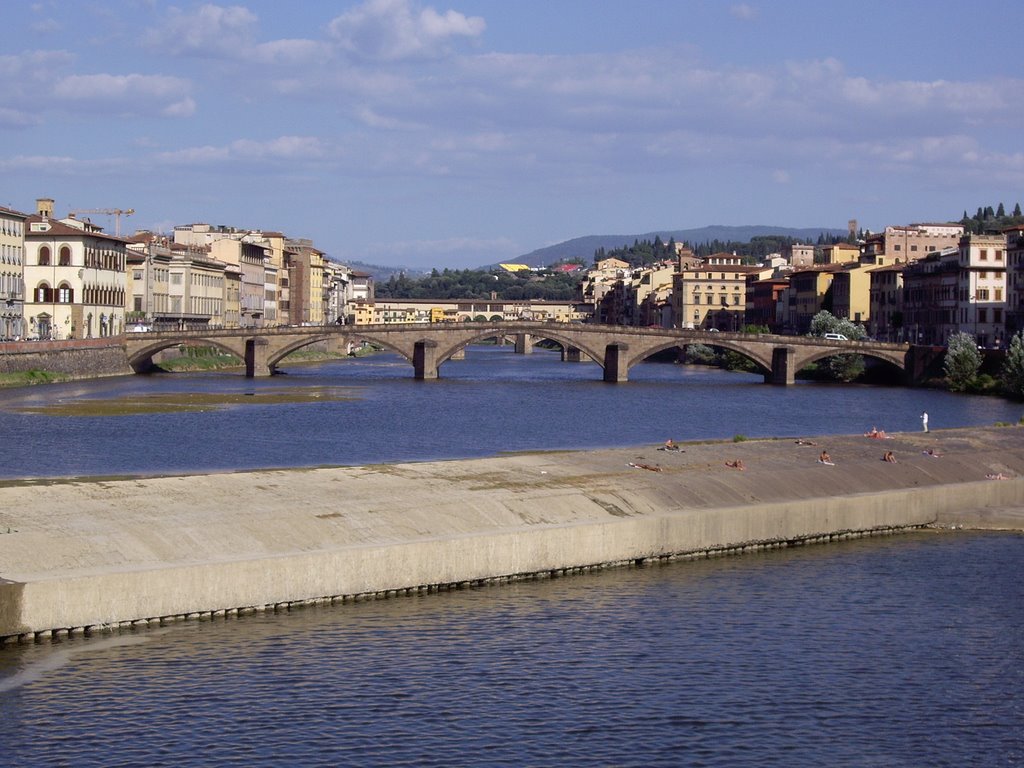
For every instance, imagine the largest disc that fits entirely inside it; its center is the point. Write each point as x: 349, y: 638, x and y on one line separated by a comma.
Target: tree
x: 825, y: 322
x: 1012, y: 375
x: 842, y: 367
x: 962, y: 361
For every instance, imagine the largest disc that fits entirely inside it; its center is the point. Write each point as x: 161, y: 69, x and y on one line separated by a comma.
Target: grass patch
x: 178, y: 402
x: 29, y: 378
x: 211, y: 362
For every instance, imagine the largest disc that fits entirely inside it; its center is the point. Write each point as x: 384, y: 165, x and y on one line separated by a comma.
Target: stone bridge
x: 426, y: 346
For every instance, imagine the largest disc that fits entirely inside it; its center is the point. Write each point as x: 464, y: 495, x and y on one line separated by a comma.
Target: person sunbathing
x: 670, y: 445
x: 654, y: 468
x: 889, y: 457
x: 824, y: 458
x: 737, y: 464
x: 932, y: 452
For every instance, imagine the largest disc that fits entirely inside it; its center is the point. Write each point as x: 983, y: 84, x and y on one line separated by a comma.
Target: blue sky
x: 465, y: 132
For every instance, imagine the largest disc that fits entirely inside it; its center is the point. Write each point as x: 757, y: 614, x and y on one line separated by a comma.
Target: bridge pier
x: 424, y: 359
x: 524, y: 344
x: 615, y: 368
x: 571, y: 354
x: 782, y: 373
x: 256, y: 355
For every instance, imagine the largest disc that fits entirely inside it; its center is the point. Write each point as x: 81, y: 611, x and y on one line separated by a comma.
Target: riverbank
x: 85, y: 554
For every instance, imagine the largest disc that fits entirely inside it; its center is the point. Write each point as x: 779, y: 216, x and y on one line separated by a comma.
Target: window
x: 897, y: 247
x: 44, y: 256
x: 983, y: 254
x: 64, y: 295
x: 136, y: 274
x: 65, y: 256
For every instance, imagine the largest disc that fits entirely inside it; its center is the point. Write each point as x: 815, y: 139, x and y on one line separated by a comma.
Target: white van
x: 836, y: 337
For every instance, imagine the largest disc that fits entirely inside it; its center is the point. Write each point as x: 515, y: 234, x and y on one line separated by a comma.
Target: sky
x: 467, y: 132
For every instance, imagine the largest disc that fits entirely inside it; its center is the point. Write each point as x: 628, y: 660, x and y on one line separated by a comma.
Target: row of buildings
x: 65, y: 278
x: 920, y: 283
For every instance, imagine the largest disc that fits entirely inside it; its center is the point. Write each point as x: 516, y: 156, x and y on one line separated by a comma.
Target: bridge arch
x: 141, y: 359
x: 896, y: 360
x: 445, y: 353
x: 759, y: 359
x: 330, y: 339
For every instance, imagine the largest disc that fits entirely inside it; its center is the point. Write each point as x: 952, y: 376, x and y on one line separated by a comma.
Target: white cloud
x: 743, y: 12
x: 32, y: 67
x: 210, y: 30
x: 283, y: 148
x: 127, y: 94
x: 16, y: 118
x: 393, y: 30
x: 45, y: 26
x: 230, y: 33
x: 40, y: 163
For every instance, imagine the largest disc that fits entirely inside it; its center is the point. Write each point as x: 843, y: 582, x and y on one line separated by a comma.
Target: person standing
x: 924, y: 420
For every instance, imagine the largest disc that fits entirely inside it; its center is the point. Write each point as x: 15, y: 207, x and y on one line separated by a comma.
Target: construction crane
x: 117, y: 213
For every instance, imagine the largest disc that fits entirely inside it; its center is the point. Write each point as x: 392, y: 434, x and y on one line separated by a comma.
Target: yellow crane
x: 117, y: 213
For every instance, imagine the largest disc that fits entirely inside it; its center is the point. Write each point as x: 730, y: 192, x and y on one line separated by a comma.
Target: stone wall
x: 77, y: 358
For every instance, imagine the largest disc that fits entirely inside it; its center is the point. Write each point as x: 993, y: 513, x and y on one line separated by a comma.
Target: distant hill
x: 584, y: 247
x: 383, y: 273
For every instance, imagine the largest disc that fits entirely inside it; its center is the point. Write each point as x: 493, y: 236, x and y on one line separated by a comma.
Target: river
x: 371, y: 410
x: 901, y: 651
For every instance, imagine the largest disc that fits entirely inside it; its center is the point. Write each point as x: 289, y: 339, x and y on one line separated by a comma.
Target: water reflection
x: 902, y: 651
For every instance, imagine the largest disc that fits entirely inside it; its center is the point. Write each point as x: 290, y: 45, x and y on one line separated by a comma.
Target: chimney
x: 44, y: 207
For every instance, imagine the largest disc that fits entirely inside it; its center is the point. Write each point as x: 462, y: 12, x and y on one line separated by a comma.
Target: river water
x: 900, y: 651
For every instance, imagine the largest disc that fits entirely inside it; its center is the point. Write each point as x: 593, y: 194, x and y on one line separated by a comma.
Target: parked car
x: 140, y: 328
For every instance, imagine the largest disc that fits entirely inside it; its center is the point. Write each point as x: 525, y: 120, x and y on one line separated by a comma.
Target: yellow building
x: 12, y: 287
x: 807, y: 293
x: 851, y: 292
x: 713, y: 295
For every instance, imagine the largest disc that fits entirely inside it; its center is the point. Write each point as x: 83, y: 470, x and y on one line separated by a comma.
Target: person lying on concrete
x: 649, y: 467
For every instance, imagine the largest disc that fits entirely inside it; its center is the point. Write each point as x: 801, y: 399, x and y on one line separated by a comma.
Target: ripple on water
x: 905, y: 651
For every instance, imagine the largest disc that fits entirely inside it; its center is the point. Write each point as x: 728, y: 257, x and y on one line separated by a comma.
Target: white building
x: 74, y: 278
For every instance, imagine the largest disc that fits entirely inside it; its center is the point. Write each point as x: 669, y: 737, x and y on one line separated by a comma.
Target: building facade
x: 74, y: 278
x: 12, y: 276
x: 173, y: 286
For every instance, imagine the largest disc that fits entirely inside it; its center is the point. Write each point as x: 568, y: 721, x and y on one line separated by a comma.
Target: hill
x: 584, y: 247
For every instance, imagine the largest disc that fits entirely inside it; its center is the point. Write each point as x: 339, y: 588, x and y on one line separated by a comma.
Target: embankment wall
x: 468, y: 543
x: 76, y: 358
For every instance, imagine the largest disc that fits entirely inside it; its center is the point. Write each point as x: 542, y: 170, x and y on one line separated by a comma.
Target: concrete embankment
x: 86, y: 554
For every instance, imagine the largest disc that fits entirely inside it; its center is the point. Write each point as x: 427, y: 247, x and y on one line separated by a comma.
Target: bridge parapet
x: 428, y: 346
